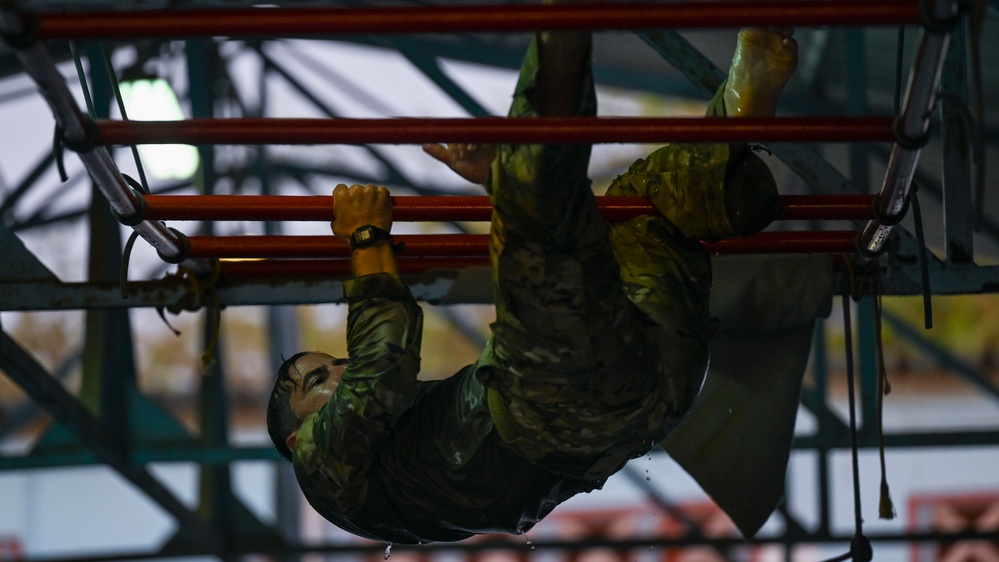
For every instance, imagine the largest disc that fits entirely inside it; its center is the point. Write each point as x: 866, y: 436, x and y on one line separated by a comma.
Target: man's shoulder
x: 306, y: 458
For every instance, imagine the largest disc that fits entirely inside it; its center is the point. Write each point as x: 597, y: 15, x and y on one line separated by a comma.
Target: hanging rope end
x: 886, y: 508
x: 208, y: 361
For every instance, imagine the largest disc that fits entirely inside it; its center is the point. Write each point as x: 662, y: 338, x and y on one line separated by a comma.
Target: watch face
x: 367, y: 235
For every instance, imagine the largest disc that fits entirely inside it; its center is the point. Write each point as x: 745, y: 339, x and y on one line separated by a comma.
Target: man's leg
x: 763, y: 62
x: 704, y: 191
x: 568, y: 370
x: 712, y: 191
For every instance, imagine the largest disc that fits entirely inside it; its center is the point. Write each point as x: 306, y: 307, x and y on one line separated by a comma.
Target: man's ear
x: 290, y: 441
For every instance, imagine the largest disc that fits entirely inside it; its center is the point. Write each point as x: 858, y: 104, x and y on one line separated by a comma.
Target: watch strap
x: 367, y: 235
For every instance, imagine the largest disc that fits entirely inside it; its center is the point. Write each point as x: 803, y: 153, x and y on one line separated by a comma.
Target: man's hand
x: 470, y: 161
x: 361, y: 205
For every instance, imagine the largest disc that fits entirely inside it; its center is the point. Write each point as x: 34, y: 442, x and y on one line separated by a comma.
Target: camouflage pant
x: 600, y: 342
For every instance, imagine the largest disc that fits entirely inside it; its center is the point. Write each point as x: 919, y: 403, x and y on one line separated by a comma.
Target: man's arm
x: 564, y: 57
x: 563, y: 72
x: 384, y: 327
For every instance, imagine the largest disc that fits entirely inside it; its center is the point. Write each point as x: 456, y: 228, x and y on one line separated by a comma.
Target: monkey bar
x: 312, y: 22
x: 430, y: 252
x: 451, y: 207
x: 908, y: 132
x: 338, y: 267
x: 588, y: 130
x: 77, y: 133
x: 472, y: 245
x: 317, y: 280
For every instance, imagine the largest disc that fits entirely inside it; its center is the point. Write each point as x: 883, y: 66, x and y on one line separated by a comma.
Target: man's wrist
x: 367, y: 236
x: 373, y: 254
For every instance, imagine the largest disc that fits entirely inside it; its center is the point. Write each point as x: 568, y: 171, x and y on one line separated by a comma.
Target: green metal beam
x: 680, y: 53
x: 428, y: 64
x: 955, y: 120
x: 24, y: 370
x: 395, y: 176
x: 943, y: 357
x: 27, y: 183
x: 19, y: 263
x: 191, y: 451
x: 440, y: 287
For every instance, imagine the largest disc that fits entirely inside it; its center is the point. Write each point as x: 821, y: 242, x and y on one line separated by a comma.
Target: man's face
x: 317, y: 376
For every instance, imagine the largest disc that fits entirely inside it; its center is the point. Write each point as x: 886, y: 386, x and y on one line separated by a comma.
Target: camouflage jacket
x: 401, y: 461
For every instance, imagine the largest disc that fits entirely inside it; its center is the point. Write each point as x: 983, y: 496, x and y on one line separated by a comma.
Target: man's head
x: 305, y: 383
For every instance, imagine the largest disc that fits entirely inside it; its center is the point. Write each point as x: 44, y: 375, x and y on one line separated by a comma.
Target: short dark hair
x: 281, y: 421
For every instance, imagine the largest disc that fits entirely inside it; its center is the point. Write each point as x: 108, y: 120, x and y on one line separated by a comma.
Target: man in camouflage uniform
x: 599, y: 346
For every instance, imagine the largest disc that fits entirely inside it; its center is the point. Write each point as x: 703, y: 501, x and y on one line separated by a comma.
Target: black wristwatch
x: 367, y: 235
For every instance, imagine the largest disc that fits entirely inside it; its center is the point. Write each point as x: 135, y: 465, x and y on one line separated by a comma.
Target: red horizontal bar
x: 788, y: 242
x: 330, y: 246
x: 313, y: 22
x: 588, y: 130
x: 477, y: 245
x: 827, y: 207
x: 316, y: 207
x: 451, y: 207
x: 339, y: 267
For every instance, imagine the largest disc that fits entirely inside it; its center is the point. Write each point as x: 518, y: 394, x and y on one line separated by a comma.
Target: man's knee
x: 751, y: 193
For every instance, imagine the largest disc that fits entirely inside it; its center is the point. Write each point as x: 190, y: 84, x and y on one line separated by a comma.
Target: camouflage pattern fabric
x: 599, y: 347
x: 583, y: 375
x: 336, y: 446
x: 706, y: 191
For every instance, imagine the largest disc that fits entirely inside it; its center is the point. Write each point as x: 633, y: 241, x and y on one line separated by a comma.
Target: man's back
x: 444, y: 475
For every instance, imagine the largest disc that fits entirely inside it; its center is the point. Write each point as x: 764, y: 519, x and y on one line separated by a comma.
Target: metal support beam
x: 955, y: 128
x: 108, y: 353
x: 310, y: 283
x: 912, y: 125
x: 18, y: 262
x: 942, y: 357
x: 430, y: 67
x: 270, y: 65
x: 24, y: 370
x: 77, y: 131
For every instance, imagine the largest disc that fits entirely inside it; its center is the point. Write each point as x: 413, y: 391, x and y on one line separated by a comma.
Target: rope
x: 83, y: 80
x: 126, y: 254
x: 886, y: 508
x: 58, y: 150
x: 58, y: 146
x: 113, y: 78
x: 860, y: 546
x: 201, y: 293
x: 924, y: 266
x: 848, y: 336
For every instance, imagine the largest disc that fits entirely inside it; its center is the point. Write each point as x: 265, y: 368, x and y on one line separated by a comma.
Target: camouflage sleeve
x: 716, y: 107
x: 384, y: 328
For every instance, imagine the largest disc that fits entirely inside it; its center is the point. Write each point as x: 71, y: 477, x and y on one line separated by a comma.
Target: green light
x: 154, y: 100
